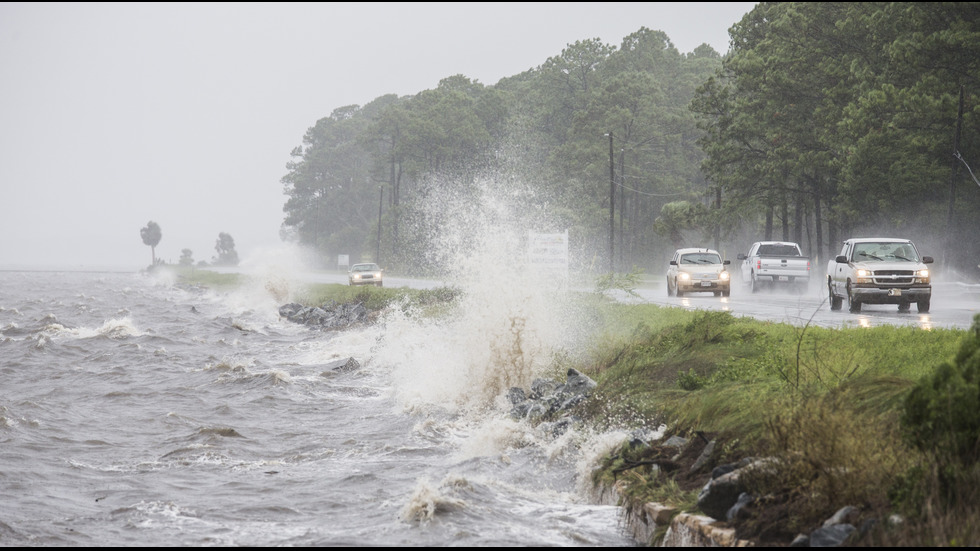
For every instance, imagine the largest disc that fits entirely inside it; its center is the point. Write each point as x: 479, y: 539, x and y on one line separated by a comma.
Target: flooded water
x: 137, y: 412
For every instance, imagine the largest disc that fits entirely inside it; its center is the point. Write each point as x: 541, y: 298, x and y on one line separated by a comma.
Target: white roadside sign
x: 548, y: 252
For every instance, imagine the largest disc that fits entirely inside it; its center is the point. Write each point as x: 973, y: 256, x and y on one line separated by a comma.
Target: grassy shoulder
x: 830, y: 405
x: 431, y: 301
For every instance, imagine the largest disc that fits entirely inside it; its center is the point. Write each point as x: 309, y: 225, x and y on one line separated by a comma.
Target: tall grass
x: 825, y: 402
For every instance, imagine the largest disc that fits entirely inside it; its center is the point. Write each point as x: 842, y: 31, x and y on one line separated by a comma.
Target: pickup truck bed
x: 775, y: 263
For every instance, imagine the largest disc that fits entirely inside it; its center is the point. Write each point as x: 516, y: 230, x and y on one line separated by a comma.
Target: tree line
x: 824, y: 121
x: 152, y: 234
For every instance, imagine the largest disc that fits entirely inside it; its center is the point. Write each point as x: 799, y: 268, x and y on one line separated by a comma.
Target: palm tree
x: 151, y: 235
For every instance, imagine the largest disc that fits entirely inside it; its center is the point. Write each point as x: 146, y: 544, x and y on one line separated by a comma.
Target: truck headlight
x: 684, y: 276
x: 724, y: 276
x: 863, y: 273
x: 922, y: 273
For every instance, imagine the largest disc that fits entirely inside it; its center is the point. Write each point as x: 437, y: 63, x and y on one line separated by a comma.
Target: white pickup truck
x: 775, y: 263
x: 878, y: 270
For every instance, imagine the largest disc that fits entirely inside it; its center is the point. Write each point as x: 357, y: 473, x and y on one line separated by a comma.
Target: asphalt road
x: 953, y: 306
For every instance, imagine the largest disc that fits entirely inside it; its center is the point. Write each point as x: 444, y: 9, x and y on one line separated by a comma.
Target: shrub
x: 942, y: 412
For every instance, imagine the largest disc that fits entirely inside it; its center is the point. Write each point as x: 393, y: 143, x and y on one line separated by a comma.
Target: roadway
x: 953, y: 306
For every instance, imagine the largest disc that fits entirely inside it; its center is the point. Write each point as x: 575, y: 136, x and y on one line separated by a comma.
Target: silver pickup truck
x: 878, y: 270
x: 773, y: 264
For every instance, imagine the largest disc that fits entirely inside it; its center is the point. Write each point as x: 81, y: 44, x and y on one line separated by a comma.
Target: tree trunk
x: 785, y: 214
x: 768, y: 223
x: 798, y: 221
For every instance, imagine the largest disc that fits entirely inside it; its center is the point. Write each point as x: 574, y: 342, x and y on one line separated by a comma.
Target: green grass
x: 432, y: 301
x: 826, y: 402
x: 189, y: 275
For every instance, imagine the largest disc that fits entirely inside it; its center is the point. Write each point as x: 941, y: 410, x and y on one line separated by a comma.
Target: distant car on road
x: 695, y: 270
x: 365, y: 274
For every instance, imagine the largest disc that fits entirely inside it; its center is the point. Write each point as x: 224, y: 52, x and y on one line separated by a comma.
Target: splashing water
x: 509, y: 322
x: 198, y: 418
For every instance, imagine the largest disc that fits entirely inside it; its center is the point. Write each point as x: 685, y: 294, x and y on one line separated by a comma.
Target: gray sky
x: 112, y: 115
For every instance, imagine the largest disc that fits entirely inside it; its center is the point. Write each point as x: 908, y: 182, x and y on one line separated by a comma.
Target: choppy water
x: 136, y: 412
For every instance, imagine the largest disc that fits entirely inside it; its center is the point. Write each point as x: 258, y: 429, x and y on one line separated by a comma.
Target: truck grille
x: 893, y: 277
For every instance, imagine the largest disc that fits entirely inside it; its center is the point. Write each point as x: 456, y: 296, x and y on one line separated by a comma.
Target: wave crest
x: 426, y: 502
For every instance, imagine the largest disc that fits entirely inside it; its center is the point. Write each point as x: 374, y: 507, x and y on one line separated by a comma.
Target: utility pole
x: 612, y: 205
x: 952, y: 181
x: 622, y: 206
x: 377, y: 255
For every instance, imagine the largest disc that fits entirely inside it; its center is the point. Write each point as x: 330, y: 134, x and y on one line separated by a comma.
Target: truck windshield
x: 885, y: 251
x: 700, y: 258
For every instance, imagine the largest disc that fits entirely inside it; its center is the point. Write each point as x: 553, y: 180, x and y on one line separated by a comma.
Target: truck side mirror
x: 673, y: 263
x: 841, y: 259
x: 927, y: 260
x: 727, y: 262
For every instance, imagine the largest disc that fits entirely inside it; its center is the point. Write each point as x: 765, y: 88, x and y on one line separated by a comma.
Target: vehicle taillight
x: 758, y: 264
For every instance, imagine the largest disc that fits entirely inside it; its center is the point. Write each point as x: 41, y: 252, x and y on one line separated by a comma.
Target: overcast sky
x: 112, y: 115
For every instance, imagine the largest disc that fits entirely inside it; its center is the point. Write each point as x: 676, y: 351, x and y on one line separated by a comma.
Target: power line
x: 960, y: 157
x: 653, y: 194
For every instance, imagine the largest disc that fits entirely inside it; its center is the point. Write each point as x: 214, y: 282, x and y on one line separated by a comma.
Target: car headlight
x: 684, y: 276
x: 356, y: 276
x: 724, y: 276
x: 863, y: 276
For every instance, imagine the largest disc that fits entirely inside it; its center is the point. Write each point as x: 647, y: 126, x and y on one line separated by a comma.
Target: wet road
x: 953, y: 306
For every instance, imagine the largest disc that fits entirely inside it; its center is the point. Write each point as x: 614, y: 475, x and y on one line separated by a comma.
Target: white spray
x: 509, y: 322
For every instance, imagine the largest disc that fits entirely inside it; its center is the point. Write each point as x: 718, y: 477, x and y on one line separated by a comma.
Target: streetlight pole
x: 377, y: 255
x: 612, y: 205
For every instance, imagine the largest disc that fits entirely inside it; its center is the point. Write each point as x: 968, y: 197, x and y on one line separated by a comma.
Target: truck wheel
x: 904, y: 307
x: 835, y: 301
x: 923, y: 306
x: 726, y: 293
x: 755, y: 283
x: 853, y: 305
x: 677, y: 289
x: 670, y: 291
